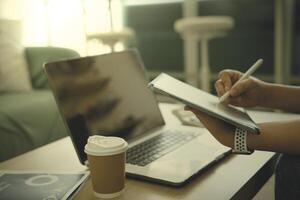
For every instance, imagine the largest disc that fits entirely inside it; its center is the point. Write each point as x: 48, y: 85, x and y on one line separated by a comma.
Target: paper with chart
x: 39, y: 185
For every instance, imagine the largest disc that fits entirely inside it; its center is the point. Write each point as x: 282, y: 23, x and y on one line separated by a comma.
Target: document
x: 39, y: 185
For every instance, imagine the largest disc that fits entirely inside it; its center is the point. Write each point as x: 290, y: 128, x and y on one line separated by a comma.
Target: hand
x: 247, y: 93
x: 222, y: 131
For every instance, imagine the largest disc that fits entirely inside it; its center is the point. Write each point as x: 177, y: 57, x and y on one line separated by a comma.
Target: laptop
x: 108, y: 95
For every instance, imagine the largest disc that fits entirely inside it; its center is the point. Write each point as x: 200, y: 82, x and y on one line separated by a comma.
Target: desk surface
x: 237, y: 177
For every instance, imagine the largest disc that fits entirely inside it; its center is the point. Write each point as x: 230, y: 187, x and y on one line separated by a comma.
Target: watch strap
x: 240, y: 142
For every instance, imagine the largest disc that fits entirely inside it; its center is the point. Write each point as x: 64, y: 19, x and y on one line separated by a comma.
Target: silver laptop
x: 108, y: 95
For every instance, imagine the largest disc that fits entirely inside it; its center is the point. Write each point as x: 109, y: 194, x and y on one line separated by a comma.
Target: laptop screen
x: 105, y: 95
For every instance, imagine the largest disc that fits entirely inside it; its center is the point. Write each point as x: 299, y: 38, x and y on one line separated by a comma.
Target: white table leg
x: 283, y: 33
x: 288, y: 14
x: 191, y: 51
x: 278, y: 50
x: 190, y: 8
x: 191, y: 62
x: 204, y: 68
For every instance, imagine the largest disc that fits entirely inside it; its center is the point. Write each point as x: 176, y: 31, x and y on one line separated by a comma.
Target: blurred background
x: 72, y: 24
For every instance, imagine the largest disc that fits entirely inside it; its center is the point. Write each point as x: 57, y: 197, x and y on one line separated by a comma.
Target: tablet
x: 203, y: 101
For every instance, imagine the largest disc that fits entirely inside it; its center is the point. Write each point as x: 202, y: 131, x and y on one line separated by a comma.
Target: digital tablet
x: 203, y: 101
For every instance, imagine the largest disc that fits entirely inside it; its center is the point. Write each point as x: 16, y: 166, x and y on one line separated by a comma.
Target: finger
x: 204, y: 116
x: 233, y: 74
x: 219, y: 86
x: 241, y: 87
x: 237, y: 101
x: 187, y: 108
x: 226, y: 101
x: 225, y: 77
x: 193, y: 110
x: 241, y: 101
x: 200, y: 115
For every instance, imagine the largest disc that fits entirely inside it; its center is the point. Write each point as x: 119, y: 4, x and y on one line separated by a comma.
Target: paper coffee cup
x: 107, y: 157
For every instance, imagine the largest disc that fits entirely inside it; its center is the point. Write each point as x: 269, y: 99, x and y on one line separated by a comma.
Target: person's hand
x: 247, y: 93
x: 222, y: 131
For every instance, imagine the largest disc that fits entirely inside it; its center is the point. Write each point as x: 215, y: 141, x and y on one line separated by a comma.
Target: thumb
x: 241, y: 87
x: 225, y: 78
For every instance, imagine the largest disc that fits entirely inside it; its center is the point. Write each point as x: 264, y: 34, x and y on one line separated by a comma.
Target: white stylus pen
x: 248, y: 73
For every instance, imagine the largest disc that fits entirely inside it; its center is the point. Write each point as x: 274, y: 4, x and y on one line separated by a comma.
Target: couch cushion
x: 14, y: 74
x: 27, y: 121
x: 37, y: 56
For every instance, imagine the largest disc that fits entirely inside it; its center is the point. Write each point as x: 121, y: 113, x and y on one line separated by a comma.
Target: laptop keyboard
x: 158, y: 146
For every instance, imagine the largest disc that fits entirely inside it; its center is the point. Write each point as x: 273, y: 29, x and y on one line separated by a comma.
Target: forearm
x: 282, y: 97
x: 281, y: 137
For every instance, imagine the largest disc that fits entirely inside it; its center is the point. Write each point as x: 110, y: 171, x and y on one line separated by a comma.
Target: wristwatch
x: 240, y: 142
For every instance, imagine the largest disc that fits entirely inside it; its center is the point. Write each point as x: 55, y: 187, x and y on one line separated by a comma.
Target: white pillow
x: 14, y: 75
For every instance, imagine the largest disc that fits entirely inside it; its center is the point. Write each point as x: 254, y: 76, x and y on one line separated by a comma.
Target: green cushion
x: 28, y: 120
x: 37, y: 56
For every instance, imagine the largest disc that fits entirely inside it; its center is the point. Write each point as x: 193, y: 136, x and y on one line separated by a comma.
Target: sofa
x: 31, y: 119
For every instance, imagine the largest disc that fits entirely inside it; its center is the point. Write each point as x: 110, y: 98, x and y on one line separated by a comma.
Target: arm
x: 254, y: 92
x: 283, y: 97
x: 275, y: 136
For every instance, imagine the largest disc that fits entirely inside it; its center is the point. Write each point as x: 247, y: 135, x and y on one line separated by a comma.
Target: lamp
x: 112, y: 36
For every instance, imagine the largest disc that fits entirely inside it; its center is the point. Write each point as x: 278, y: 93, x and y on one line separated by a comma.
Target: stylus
x: 248, y: 73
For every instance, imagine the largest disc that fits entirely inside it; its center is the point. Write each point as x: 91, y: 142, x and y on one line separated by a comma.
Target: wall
x: 62, y: 23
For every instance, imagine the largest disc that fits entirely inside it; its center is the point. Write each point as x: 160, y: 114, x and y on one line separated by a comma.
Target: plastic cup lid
x: 104, y: 146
